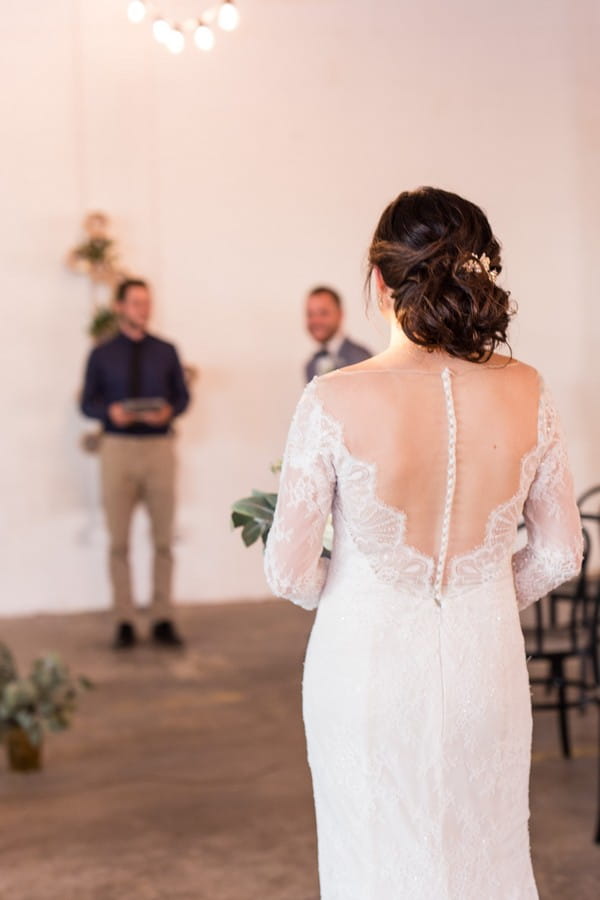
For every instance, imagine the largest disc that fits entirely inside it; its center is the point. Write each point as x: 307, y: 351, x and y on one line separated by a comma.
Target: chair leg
x: 596, y: 659
x: 583, y: 689
x: 549, y: 685
x: 559, y: 681
x: 597, y: 835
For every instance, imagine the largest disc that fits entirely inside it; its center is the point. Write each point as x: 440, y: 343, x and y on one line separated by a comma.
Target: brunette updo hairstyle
x: 424, y: 246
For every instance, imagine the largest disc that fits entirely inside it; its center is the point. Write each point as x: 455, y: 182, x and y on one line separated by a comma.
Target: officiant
x: 324, y: 323
x: 134, y: 384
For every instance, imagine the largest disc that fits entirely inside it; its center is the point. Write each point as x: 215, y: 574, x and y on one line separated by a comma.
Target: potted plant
x: 45, y: 700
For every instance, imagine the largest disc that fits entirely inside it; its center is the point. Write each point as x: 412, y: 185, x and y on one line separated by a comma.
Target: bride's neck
x: 401, y: 347
x: 398, y: 339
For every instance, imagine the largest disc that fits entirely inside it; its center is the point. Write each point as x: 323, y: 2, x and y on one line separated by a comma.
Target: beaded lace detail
x: 320, y: 473
x: 450, y: 485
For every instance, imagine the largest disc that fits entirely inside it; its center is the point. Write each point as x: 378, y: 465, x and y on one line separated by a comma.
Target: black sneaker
x: 125, y: 636
x: 164, y: 633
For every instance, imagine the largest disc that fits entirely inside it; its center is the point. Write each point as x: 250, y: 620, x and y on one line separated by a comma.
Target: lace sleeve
x: 293, y: 564
x: 554, y: 541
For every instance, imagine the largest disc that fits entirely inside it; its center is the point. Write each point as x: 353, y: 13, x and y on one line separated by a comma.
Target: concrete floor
x: 185, y: 778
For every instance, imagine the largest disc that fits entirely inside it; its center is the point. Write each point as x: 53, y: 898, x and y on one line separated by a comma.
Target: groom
x: 324, y: 321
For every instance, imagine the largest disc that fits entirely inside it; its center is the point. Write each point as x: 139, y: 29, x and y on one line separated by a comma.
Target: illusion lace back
x: 416, y: 698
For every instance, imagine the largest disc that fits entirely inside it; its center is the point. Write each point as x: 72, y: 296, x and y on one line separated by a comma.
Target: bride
x: 416, y: 696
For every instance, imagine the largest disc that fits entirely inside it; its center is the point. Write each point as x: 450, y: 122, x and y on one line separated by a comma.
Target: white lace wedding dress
x: 416, y: 696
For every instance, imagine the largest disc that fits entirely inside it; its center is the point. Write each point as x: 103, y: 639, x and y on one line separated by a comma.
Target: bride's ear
x: 379, y: 282
x: 383, y: 292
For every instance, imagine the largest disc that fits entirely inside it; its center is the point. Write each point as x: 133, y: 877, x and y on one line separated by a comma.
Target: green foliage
x: 96, y: 250
x: 8, y: 669
x: 47, y: 698
x: 254, y: 515
x: 104, y: 324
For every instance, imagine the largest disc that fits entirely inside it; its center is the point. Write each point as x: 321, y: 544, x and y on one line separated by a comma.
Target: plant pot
x: 23, y: 756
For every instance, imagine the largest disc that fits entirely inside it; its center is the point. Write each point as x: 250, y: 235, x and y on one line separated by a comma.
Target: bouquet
x: 254, y: 515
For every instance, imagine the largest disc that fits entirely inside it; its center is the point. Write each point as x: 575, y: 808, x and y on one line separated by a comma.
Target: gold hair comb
x: 480, y: 264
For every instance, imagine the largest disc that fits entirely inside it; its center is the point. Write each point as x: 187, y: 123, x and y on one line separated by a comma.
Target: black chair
x: 589, y: 503
x: 560, y: 638
x: 589, y: 510
x: 559, y: 641
x: 576, y: 600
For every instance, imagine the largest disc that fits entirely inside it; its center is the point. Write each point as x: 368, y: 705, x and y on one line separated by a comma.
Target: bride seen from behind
x: 416, y: 695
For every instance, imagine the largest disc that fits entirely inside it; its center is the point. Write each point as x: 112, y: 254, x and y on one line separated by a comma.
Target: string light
x: 225, y: 15
x: 175, y: 41
x: 204, y: 37
x: 136, y: 11
x: 228, y: 16
x: 161, y: 30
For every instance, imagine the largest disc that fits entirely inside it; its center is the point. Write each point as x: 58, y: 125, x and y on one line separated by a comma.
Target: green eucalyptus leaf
x: 266, y: 497
x: 254, y: 508
x: 251, y: 533
x: 238, y: 520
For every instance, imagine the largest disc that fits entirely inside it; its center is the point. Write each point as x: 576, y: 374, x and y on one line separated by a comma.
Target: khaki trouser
x: 139, y: 469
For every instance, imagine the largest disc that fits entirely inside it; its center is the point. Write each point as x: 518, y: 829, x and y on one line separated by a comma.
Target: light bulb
x: 204, y: 37
x: 175, y: 41
x: 161, y: 30
x: 136, y: 11
x: 228, y: 17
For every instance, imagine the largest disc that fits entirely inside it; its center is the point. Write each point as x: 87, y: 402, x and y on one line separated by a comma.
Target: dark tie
x: 135, y: 369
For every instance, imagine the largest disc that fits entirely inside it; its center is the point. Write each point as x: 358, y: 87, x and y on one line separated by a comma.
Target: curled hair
x: 422, y: 246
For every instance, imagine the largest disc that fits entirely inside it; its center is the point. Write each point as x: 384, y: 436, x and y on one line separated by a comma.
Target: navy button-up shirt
x: 121, y: 369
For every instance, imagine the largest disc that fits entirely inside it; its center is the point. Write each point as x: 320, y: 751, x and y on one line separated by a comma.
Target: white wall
x: 238, y: 179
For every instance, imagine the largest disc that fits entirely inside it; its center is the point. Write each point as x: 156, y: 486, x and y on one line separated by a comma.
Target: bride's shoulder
x: 342, y: 381
x: 515, y: 367
x: 374, y: 365
x: 340, y: 391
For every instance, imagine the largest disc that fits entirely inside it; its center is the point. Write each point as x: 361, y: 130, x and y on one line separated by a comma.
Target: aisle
x: 185, y: 776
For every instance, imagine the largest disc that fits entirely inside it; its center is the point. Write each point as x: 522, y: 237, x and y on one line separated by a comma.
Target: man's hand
x: 157, y: 417
x: 119, y: 416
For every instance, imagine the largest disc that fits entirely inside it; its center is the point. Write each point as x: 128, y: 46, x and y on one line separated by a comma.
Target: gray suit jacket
x: 349, y: 354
